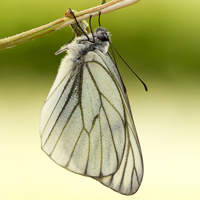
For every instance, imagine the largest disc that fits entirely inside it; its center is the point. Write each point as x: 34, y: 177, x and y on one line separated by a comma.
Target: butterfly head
x: 101, y: 39
x: 102, y: 34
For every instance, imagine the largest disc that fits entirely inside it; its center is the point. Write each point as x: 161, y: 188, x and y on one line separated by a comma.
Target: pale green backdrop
x: 161, y: 42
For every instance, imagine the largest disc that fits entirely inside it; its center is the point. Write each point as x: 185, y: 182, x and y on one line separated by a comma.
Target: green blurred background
x: 161, y: 42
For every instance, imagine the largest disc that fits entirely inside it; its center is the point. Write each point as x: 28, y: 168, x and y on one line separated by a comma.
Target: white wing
x: 128, y: 177
x: 87, y: 126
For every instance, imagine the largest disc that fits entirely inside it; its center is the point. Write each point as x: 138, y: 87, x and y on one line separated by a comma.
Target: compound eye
x: 102, y: 37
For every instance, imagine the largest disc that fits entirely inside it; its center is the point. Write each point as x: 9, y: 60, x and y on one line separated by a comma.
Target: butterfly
x: 86, y: 122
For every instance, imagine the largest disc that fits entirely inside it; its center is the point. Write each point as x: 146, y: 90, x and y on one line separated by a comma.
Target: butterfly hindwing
x: 86, y: 132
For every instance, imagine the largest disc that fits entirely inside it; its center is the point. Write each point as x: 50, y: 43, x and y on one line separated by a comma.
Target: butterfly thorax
x: 81, y: 45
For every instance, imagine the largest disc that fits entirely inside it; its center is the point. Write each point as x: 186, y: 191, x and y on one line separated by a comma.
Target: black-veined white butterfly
x: 86, y: 121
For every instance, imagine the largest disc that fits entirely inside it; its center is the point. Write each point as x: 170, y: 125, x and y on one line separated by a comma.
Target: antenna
x: 145, y: 87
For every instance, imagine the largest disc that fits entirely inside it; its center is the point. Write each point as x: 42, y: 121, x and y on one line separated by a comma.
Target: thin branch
x: 63, y: 22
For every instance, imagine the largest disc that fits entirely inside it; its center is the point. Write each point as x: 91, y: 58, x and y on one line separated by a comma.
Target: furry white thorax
x: 80, y: 46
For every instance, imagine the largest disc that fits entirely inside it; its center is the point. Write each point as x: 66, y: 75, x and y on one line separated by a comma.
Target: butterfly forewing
x: 128, y: 177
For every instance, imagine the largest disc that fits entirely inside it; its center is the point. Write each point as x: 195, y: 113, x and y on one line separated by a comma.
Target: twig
x: 63, y: 22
